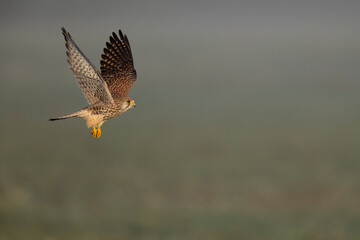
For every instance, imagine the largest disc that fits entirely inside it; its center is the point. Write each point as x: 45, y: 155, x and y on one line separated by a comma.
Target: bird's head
x: 128, y: 103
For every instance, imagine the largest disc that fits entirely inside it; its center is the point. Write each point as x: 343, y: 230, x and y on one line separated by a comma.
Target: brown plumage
x: 117, y: 66
x: 106, y: 92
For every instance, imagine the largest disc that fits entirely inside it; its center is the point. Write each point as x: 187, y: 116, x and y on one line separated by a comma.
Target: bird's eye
x: 128, y: 101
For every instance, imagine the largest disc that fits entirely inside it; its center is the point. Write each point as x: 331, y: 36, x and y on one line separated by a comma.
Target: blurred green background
x: 246, y: 126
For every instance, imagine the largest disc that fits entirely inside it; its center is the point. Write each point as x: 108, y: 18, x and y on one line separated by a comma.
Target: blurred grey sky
x: 190, y: 44
x: 185, y: 33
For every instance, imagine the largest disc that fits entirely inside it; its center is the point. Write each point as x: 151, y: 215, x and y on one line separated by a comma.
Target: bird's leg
x: 98, y: 134
x: 94, y: 132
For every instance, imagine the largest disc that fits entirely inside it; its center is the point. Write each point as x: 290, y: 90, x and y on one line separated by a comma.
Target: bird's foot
x: 96, y: 133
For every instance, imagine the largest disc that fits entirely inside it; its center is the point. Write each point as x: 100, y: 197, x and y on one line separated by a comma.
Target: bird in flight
x: 105, y: 91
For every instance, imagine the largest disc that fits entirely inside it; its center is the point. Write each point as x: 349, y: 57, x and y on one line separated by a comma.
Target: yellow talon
x: 93, y: 132
x: 96, y: 133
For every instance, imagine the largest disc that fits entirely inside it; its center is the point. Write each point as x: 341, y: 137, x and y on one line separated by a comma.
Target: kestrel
x: 106, y: 92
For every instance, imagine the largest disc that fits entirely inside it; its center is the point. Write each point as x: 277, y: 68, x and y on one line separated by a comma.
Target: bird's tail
x: 75, y: 114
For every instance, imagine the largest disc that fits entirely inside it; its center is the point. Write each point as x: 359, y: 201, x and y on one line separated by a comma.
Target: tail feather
x: 75, y: 114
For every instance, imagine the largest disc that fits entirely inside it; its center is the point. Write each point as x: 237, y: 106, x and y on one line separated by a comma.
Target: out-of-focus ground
x: 246, y: 126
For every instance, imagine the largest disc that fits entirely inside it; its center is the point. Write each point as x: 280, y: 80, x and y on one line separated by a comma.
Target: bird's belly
x: 94, y: 120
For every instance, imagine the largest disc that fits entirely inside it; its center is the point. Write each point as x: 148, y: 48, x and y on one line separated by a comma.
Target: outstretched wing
x: 117, y: 65
x: 91, y: 83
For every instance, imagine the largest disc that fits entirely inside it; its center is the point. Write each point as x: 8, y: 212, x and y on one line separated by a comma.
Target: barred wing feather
x: 90, y: 80
x: 117, y: 65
